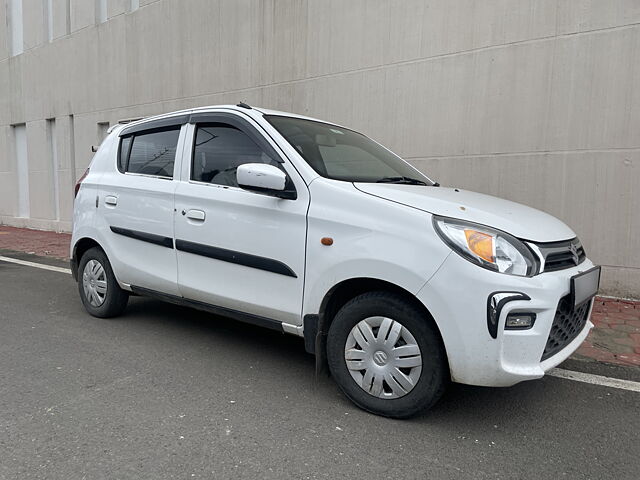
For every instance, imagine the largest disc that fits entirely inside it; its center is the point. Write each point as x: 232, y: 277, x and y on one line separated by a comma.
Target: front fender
x: 317, y: 288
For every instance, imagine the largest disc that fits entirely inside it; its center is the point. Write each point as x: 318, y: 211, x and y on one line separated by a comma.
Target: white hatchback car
x: 313, y: 229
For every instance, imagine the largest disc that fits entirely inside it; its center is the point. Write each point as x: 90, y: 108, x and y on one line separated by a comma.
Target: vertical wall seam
x: 22, y: 168
x: 72, y: 151
x: 53, y: 158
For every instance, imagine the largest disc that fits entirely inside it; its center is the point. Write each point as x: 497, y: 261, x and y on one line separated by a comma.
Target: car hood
x: 519, y: 220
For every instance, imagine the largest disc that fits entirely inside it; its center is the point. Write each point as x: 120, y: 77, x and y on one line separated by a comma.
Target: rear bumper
x: 457, y: 298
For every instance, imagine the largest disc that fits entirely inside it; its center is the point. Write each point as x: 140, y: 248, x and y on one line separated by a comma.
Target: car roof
x: 213, y: 108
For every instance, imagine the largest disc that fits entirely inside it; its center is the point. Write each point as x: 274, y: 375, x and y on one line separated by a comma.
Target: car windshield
x: 342, y: 154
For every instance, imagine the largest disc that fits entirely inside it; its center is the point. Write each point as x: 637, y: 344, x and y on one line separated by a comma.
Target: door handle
x: 197, y: 215
x: 111, y: 200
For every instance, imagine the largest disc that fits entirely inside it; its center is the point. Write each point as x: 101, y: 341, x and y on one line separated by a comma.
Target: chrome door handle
x: 198, y: 215
x: 111, y: 200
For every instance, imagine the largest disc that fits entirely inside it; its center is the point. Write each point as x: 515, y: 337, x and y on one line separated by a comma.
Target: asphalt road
x: 168, y: 392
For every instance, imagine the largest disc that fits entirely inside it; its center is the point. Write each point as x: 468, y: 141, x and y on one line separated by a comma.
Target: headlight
x: 487, y: 247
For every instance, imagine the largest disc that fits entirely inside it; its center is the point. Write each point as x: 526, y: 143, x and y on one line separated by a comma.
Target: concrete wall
x: 534, y: 100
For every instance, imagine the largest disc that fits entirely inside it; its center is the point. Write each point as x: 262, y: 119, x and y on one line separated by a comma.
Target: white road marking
x: 36, y: 265
x: 595, y: 379
x: 554, y: 372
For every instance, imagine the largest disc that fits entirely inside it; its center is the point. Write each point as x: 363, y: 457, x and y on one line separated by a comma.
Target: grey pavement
x: 169, y: 392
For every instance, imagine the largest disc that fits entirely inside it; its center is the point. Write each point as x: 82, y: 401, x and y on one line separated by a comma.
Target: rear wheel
x: 386, y: 356
x: 99, y: 290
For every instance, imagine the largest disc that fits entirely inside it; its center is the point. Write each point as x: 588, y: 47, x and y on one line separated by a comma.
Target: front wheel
x: 99, y: 290
x: 386, y: 356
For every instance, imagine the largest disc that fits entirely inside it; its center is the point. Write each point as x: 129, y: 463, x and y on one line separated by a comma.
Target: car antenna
x: 244, y: 105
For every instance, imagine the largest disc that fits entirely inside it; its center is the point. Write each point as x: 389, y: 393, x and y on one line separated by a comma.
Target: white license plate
x: 584, y: 286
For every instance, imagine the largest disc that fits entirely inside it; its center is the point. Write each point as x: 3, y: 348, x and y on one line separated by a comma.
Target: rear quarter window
x: 149, y: 153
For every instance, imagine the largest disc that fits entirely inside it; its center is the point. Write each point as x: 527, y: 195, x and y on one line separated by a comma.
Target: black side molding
x: 144, y: 237
x: 222, y: 311
x: 232, y: 256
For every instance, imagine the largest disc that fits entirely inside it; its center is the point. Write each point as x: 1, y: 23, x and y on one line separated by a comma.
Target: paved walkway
x: 43, y: 244
x: 615, y: 338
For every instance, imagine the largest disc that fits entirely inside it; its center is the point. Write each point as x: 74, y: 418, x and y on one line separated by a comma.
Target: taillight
x: 77, y: 187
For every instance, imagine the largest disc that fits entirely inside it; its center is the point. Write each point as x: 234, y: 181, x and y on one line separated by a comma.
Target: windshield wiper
x: 404, y: 180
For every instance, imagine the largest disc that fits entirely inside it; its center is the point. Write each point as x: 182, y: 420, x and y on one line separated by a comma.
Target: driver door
x: 238, y: 249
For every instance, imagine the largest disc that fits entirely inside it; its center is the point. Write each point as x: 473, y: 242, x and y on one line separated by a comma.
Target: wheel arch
x: 317, y: 326
x: 79, y: 249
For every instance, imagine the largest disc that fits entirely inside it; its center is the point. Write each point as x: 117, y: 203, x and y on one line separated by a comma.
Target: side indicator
x: 328, y: 241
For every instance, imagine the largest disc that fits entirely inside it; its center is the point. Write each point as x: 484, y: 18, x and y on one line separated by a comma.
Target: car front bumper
x: 457, y: 297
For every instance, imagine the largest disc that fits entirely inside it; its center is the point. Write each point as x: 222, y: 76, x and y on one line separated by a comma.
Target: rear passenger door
x: 137, y: 200
x: 238, y: 249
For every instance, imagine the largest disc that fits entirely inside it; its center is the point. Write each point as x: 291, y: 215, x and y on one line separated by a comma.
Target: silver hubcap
x: 94, y: 283
x: 383, y: 357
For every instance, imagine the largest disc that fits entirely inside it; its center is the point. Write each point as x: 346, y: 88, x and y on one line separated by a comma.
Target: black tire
x: 115, y: 299
x: 434, y: 376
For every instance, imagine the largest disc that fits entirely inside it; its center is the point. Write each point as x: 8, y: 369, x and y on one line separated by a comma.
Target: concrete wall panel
x: 582, y: 15
x: 13, y: 96
x: 6, y: 93
x: 6, y: 160
x: 117, y: 7
x: 535, y: 100
x: 34, y: 23
x: 40, y: 172
x: 8, y: 195
x: 82, y: 14
x: 4, y: 37
x: 61, y: 18
x: 40, y: 188
x: 8, y: 178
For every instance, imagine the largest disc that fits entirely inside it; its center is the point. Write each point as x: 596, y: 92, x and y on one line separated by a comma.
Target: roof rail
x: 124, y: 121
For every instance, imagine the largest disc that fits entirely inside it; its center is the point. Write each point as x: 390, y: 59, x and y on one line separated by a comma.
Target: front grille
x: 567, y: 324
x: 561, y: 255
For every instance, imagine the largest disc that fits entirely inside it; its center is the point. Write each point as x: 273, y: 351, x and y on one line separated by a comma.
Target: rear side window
x: 219, y: 149
x: 149, y: 153
x: 123, y: 154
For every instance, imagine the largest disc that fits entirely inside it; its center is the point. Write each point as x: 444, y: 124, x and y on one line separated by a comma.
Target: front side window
x: 219, y: 149
x: 342, y: 154
x: 149, y: 153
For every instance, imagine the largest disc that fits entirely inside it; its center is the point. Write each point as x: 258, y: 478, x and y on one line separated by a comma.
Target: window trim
x: 168, y: 128
x: 203, y: 119
x: 161, y: 123
x: 198, y: 119
x: 118, y: 162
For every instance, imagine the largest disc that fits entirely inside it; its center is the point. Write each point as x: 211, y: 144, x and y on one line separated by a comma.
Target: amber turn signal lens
x: 326, y: 241
x: 481, y: 244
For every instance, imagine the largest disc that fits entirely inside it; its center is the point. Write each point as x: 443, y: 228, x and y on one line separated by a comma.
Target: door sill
x: 217, y: 310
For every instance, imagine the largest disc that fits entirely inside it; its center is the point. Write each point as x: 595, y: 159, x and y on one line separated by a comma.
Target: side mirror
x: 262, y: 177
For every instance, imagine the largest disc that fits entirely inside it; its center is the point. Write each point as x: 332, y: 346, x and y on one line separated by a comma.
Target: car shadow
x: 478, y: 408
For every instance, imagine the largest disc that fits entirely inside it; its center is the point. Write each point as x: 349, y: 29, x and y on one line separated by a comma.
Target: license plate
x: 584, y: 286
